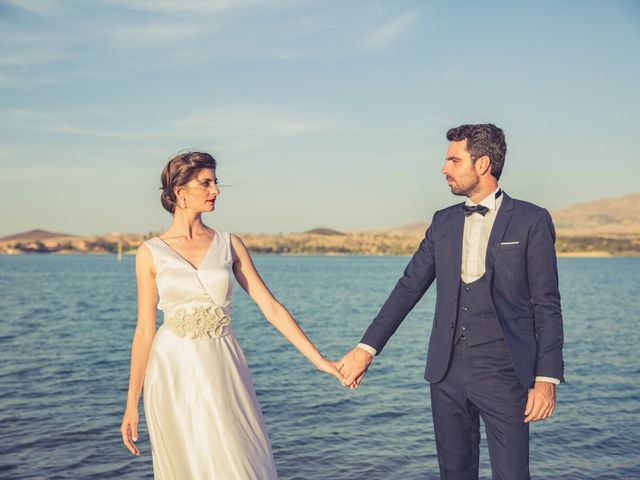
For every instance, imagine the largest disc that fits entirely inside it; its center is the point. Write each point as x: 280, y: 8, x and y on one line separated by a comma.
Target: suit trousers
x: 480, y: 382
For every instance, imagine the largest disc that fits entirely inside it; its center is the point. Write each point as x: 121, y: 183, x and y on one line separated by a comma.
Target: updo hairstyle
x: 180, y: 170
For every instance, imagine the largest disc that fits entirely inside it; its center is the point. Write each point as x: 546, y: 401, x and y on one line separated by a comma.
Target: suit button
x: 453, y: 324
x: 464, y: 328
x: 455, y: 298
x: 465, y: 308
x: 466, y: 289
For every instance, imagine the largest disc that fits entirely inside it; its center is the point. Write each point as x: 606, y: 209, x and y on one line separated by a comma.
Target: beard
x: 465, y: 187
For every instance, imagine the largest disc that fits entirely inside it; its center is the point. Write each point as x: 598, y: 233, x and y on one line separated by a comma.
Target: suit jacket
x: 523, y: 279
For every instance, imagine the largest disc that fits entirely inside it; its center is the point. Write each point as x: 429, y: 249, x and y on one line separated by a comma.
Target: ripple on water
x: 64, y: 365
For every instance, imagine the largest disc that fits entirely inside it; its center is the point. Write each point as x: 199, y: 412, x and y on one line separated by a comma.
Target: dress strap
x: 151, y: 246
x: 226, y: 240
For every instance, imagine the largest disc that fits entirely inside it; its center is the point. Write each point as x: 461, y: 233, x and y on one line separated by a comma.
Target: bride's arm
x: 249, y: 279
x: 141, y: 345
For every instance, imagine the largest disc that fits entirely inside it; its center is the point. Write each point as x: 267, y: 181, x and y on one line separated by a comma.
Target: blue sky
x: 320, y: 113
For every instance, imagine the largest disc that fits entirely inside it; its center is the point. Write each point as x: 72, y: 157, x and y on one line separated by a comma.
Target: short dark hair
x: 482, y: 139
x: 180, y: 170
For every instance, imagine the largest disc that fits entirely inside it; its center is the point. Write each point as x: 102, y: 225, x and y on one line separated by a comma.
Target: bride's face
x: 200, y: 193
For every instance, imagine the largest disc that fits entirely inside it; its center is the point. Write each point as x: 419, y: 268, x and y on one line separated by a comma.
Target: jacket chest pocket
x: 510, y: 250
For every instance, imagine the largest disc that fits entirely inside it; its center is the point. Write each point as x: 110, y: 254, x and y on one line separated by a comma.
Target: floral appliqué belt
x: 201, y: 321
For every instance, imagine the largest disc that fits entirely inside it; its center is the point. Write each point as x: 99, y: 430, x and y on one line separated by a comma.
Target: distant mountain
x: 609, y: 216
x: 412, y: 228
x: 34, y: 235
x: 409, y: 229
x: 608, y: 225
x: 324, y: 231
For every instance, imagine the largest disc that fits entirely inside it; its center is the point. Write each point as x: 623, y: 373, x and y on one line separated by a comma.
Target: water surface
x: 65, y: 333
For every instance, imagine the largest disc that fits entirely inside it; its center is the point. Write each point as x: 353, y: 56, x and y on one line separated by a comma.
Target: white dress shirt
x: 475, y: 238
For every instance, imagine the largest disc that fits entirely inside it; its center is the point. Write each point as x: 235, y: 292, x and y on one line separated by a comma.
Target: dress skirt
x: 202, y: 413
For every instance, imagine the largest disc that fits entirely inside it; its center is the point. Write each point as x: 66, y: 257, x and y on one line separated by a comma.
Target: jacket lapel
x: 497, y: 232
x: 457, y: 230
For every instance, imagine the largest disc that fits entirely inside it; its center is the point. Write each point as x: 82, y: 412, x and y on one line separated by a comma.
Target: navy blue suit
x: 522, y: 285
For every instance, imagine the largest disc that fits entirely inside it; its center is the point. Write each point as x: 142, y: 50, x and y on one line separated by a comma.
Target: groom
x: 496, y: 344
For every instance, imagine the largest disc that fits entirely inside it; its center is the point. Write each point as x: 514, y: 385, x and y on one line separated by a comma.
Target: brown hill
x: 410, y: 229
x: 323, y: 231
x: 35, y: 235
x: 603, y: 227
x: 609, y: 216
x: 606, y: 217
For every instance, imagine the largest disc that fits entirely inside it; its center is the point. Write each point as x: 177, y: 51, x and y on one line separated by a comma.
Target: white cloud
x: 37, y: 55
x: 41, y: 7
x: 249, y: 121
x: 28, y: 58
x: 151, y: 34
x: 24, y: 50
x: 389, y: 31
x: 198, y: 7
x: 226, y: 124
x: 192, y: 6
x: 31, y: 120
x: 31, y: 58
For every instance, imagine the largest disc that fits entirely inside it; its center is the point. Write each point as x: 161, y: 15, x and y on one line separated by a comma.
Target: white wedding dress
x: 201, y: 409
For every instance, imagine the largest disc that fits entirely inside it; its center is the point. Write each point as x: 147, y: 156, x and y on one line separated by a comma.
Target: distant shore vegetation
x: 316, y: 242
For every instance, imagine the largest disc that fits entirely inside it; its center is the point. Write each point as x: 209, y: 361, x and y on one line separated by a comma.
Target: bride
x: 202, y: 414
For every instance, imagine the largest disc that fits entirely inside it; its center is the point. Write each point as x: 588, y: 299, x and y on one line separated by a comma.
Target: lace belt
x: 201, y: 321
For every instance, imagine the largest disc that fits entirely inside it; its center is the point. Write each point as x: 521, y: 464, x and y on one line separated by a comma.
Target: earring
x: 184, y: 203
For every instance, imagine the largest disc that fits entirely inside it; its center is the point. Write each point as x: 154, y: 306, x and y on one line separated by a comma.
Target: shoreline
x: 593, y: 254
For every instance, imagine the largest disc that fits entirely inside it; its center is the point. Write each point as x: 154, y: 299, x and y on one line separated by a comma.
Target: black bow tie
x: 481, y: 209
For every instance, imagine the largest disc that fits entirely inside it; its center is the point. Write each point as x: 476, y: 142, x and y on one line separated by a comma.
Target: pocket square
x: 509, y: 243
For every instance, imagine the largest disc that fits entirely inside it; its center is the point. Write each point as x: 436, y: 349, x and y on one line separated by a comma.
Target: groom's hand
x: 541, y: 402
x: 353, y: 366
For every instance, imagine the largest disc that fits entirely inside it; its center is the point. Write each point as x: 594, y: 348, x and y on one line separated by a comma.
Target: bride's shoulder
x: 236, y: 244
x: 146, y: 254
x: 146, y: 248
x: 234, y: 238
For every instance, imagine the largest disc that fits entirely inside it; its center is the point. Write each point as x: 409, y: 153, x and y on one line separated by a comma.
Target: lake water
x: 65, y: 333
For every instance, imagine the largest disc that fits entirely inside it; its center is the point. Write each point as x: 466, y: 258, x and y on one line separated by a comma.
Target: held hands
x: 353, y: 367
x: 327, y: 366
x: 129, y: 429
x: 541, y: 402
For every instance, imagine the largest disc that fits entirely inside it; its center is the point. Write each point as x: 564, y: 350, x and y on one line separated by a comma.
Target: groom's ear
x: 483, y: 165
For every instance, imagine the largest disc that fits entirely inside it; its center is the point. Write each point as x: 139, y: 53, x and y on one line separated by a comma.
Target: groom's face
x: 459, y: 170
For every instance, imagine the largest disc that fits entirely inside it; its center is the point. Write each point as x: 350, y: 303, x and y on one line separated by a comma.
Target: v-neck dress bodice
x: 200, y: 405
x: 179, y: 283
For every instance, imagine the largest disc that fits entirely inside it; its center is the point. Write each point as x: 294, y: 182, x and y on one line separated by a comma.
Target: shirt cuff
x: 555, y: 381
x: 370, y: 349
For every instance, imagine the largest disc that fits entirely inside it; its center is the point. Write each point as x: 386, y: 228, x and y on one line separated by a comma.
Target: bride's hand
x: 129, y: 430
x: 327, y: 366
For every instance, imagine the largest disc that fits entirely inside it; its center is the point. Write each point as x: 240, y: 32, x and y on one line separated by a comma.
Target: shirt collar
x: 490, y: 201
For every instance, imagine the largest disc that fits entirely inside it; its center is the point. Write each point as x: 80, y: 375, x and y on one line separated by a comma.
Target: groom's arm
x: 542, y: 272
x: 418, y: 276
x: 416, y: 279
